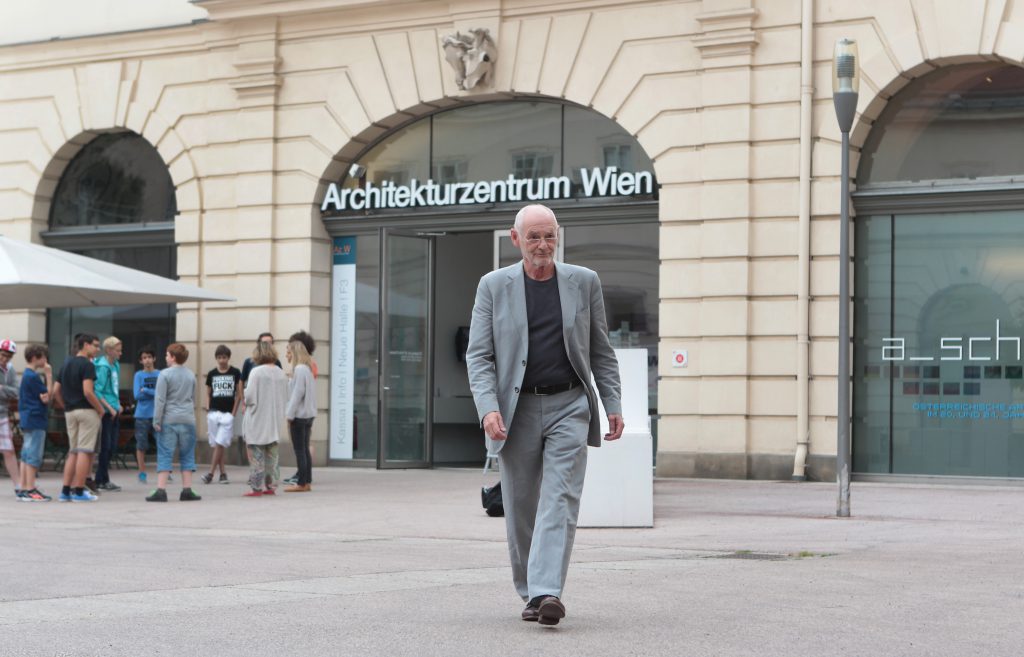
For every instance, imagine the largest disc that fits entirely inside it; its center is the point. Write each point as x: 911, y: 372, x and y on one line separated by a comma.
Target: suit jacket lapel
x: 516, y: 289
x: 568, y: 294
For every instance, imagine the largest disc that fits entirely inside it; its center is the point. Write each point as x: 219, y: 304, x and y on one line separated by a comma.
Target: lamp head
x: 845, y: 72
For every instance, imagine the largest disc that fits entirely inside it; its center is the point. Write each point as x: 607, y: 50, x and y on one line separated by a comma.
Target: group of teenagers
x: 87, y: 388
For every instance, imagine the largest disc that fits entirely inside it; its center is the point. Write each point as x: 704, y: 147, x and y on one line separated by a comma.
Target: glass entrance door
x: 406, y: 358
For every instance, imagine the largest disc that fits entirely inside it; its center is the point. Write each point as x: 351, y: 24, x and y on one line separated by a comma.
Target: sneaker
x: 109, y: 486
x: 269, y: 491
x: 253, y: 493
x: 64, y: 497
x: 294, y: 479
x: 90, y: 485
x: 224, y: 478
x: 33, y: 496
x: 158, y: 495
x: 142, y: 477
x: 305, y: 488
x: 207, y: 478
x: 189, y: 495
x: 86, y: 496
x: 18, y: 494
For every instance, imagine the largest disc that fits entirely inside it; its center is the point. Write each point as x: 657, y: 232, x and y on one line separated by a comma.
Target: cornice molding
x: 727, y: 33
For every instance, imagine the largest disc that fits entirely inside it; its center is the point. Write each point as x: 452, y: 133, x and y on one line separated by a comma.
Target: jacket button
x: 517, y: 390
x: 524, y: 363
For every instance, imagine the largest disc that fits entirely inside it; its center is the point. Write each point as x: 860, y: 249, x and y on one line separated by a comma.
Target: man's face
x: 94, y: 348
x: 147, y: 361
x: 222, y: 362
x: 5, y: 358
x: 269, y: 340
x: 539, y: 238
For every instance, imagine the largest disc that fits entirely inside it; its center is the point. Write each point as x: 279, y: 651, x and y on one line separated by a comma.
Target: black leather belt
x: 551, y: 390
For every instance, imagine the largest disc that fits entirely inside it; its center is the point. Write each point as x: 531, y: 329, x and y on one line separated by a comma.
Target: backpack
x: 491, y: 499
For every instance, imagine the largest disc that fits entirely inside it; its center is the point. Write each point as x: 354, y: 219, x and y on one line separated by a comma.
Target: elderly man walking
x: 538, y: 332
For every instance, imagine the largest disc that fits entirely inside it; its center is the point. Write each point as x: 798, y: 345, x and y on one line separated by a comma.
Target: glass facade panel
x: 872, y: 314
x: 626, y: 259
x: 367, y: 421
x: 400, y: 158
x: 944, y: 345
x: 591, y: 141
x: 959, y: 122
x: 115, y: 179
x: 492, y: 140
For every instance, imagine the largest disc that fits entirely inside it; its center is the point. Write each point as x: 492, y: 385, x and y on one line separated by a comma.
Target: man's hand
x: 494, y: 426
x: 615, y: 427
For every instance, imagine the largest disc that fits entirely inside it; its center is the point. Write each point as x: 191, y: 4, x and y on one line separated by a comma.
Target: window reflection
x: 490, y: 141
x: 401, y: 157
x: 626, y: 259
x: 115, y: 179
x: 957, y: 122
x: 945, y: 398
x: 592, y: 140
x: 496, y: 139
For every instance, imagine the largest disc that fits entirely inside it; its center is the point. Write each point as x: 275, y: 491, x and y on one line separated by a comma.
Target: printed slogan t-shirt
x: 223, y: 385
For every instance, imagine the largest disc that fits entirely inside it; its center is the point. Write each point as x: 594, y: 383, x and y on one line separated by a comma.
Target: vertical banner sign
x: 343, y: 334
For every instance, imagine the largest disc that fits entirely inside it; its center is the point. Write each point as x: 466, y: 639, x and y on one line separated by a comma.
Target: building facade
x: 351, y: 166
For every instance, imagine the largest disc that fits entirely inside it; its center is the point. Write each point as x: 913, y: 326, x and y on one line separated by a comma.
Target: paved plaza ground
x: 406, y: 563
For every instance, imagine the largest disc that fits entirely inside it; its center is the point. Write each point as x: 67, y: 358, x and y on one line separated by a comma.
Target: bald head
x: 533, y: 211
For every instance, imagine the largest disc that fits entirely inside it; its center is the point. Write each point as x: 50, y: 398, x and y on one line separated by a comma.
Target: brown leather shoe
x: 531, y: 612
x: 551, y: 610
x: 304, y: 488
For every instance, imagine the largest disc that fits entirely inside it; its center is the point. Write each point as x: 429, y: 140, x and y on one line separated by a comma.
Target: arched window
x: 115, y: 202
x: 957, y: 123
x: 524, y: 140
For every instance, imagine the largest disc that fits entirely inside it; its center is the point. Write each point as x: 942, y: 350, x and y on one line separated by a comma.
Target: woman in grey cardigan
x: 301, y: 412
x: 266, y: 397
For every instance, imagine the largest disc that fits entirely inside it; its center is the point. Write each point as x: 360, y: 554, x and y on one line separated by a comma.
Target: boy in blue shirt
x: 33, y: 409
x: 144, y: 389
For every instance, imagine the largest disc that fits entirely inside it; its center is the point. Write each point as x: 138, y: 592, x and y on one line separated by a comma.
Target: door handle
x: 386, y: 388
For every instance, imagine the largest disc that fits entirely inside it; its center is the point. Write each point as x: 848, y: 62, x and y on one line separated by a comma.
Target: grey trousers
x: 543, y: 464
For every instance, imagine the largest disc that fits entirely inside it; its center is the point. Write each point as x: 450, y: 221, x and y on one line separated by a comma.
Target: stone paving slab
x: 406, y: 563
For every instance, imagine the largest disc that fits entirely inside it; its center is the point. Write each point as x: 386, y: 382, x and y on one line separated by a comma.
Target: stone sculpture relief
x: 472, y: 56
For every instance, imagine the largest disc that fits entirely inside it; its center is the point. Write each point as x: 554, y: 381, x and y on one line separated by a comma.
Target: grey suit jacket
x: 499, y: 340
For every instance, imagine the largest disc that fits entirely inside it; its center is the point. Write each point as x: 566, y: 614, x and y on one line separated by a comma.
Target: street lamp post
x: 845, y: 84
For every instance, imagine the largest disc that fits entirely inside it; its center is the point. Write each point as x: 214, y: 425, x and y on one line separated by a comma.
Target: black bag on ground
x: 491, y: 498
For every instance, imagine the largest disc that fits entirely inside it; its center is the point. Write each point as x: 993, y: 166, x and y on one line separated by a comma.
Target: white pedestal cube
x: 619, y: 488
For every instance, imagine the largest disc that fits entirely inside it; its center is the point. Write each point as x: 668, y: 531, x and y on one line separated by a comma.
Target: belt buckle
x: 536, y: 391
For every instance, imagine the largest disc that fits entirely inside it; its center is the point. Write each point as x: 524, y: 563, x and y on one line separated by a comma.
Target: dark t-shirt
x: 547, y: 363
x: 223, y: 386
x: 75, y: 371
x: 32, y: 410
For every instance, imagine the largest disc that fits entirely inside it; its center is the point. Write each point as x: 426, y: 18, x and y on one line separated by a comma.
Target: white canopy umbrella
x: 37, y: 276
